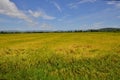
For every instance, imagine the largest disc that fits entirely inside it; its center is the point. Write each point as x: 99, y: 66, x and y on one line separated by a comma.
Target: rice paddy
x: 60, y: 56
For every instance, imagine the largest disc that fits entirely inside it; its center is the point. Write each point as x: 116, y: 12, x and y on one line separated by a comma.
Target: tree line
x: 69, y: 31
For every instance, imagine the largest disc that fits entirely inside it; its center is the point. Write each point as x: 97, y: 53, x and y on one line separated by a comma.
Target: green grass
x: 60, y: 56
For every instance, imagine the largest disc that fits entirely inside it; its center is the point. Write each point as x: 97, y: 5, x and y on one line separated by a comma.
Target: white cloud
x: 76, y: 4
x: 97, y: 25
x: 118, y: 16
x: 111, y: 2
x: 42, y: 14
x: 115, y: 3
x: 57, y: 6
x: 8, y: 8
x: 85, y: 1
x: 116, y: 11
x: 2, y: 20
x: 46, y: 26
x: 64, y: 17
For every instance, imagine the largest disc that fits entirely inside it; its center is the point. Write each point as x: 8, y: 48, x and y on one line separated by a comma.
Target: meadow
x: 60, y: 56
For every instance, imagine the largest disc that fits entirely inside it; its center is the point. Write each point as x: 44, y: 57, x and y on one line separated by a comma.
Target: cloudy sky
x: 58, y: 14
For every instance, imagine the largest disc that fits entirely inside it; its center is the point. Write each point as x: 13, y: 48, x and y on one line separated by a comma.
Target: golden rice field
x: 60, y: 56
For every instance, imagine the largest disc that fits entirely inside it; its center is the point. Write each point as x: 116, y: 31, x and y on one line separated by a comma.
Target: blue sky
x: 58, y: 14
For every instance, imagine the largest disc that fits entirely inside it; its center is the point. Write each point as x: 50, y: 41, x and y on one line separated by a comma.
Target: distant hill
x: 109, y: 29
x: 104, y: 30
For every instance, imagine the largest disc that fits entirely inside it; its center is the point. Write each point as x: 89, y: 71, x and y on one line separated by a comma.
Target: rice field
x: 60, y: 56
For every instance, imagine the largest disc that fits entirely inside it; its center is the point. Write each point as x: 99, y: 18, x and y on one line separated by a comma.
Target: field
x: 60, y: 56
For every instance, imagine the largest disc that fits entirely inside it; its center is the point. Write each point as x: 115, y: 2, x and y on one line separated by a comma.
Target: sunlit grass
x: 60, y: 56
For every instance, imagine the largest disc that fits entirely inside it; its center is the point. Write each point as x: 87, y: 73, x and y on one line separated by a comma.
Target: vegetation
x: 69, y: 31
x: 60, y: 56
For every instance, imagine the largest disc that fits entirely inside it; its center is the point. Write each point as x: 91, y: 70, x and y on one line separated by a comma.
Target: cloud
x: 115, y: 3
x: 63, y: 17
x: 118, y: 17
x: 2, y: 20
x: 57, y: 6
x: 97, y: 25
x: 46, y: 26
x: 108, y: 15
x: 76, y: 4
x: 8, y: 8
x: 41, y: 14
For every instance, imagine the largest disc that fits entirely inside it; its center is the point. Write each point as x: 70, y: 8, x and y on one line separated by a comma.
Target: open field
x: 60, y: 56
